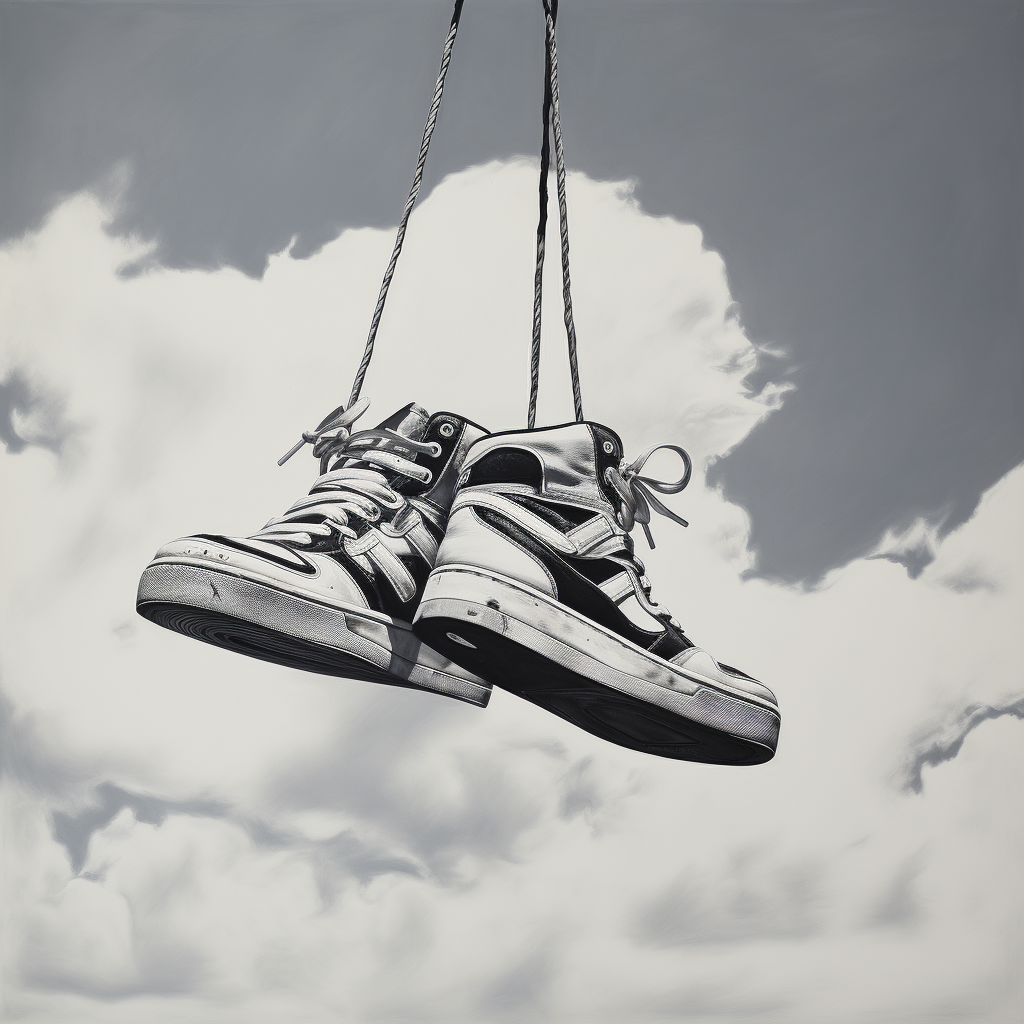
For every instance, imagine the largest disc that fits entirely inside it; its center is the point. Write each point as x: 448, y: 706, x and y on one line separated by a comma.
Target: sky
x: 857, y: 165
x: 796, y: 252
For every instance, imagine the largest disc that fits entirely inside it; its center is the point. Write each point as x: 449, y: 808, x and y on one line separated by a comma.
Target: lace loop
x: 349, y: 489
x: 636, y: 490
x: 339, y: 420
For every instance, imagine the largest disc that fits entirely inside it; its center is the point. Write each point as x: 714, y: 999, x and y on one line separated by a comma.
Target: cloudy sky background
x: 796, y: 251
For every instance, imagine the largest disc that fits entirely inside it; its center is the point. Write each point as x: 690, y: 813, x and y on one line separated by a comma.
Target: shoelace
x: 361, y: 491
x: 552, y: 128
x: 326, y: 444
x: 635, y: 490
x: 417, y: 181
x: 349, y: 489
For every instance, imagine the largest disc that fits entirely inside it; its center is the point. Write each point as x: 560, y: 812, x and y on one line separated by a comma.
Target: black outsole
x: 265, y: 644
x: 598, y: 709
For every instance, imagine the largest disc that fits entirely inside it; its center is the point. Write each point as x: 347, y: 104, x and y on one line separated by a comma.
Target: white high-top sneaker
x: 331, y: 586
x: 536, y: 586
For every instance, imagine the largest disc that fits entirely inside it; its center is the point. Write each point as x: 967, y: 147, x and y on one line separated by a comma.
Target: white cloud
x: 383, y: 854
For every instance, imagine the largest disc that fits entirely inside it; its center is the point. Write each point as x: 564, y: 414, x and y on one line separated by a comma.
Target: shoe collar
x: 572, y: 458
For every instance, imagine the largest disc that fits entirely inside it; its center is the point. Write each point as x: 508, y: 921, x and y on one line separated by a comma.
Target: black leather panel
x: 602, y: 437
x: 388, y: 601
x: 296, y: 562
x: 507, y: 466
x: 671, y: 643
x: 574, y: 589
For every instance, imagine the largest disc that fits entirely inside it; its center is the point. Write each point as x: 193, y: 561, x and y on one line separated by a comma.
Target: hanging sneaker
x: 331, y: 586
x: 537, y: 587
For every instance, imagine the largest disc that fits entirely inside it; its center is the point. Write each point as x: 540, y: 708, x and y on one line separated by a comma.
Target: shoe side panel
x: 330, y: 582
x: 576, y: 591
x: 471, y: 541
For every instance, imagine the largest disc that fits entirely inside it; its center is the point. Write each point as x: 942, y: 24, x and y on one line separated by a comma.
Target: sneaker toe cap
x: 313, y: 576
x: 701, y: 663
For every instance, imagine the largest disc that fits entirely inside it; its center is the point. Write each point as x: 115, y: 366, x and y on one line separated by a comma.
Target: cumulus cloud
x: 706, y: 1002
x: 196, y: 835
x: 945, y: 739
x: 29, y: 415
x: 31, y: 759
x: 73, y: 831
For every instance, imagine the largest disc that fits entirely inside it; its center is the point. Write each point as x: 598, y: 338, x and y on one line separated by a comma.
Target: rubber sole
x: 492, y: 627
x: 262, y: 622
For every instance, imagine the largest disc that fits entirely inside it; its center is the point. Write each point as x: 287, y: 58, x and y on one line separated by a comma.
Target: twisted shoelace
x: 417, y: 181
x: 349, y: 489
x: 552, y: 128
x: 361, y: 491
x: 638, y: 500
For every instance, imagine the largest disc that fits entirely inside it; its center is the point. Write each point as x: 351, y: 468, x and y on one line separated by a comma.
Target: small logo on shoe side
x: 459, y: 640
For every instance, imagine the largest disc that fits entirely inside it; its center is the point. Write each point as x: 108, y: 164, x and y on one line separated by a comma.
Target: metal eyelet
x: 609, y: 448
x: 446, y: 430
x: 435, y: 449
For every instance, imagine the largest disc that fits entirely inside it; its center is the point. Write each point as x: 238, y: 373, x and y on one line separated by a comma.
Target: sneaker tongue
x: 410, y: 421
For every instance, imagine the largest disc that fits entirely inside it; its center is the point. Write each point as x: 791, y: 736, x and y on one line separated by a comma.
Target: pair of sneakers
x: 432, y: 554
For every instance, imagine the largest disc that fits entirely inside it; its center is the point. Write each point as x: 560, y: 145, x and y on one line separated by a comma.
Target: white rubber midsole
x: 389, y: 644
x: 512, y: 609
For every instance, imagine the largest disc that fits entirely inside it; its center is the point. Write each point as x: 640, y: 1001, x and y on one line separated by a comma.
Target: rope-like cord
x: 563, y: 219
x: 551, y: 106
x: 417, y: 180
x: 542, y: 229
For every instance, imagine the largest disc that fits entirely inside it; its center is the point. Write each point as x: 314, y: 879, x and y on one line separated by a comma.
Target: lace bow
x: 636, y: 492
x: 324, y: 443
x: 361, y: 483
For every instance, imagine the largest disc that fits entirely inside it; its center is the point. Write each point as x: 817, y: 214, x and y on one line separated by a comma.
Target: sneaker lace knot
x: 637, y: 490
x: 638, y: 500
x: 325, y: 444
x: 352, y: 479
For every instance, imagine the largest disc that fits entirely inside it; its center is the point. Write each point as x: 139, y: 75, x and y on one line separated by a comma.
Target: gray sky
x: 858, y: 166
